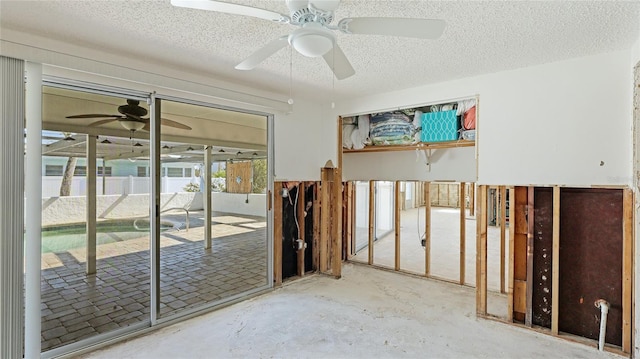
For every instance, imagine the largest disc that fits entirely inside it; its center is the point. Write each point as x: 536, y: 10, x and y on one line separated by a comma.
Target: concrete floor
x: 367, y: 313
x: 77, y: 306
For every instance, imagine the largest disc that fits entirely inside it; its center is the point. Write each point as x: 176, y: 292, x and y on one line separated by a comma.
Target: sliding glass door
x: 105, y: 268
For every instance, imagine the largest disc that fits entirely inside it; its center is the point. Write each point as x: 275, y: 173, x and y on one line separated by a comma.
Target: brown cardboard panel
x: 239, y: 177
x: 590, y: 261
x: 542, y: 253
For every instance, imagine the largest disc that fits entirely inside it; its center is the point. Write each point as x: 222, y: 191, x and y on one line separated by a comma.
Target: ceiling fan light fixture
x: 312, y: 40
x: 132, y: 125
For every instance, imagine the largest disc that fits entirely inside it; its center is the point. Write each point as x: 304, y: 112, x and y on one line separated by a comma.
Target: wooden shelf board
x: 417, y: 146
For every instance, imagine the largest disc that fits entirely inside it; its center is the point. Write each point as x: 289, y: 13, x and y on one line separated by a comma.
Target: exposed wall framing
x: 396, y: 217
x: 427, y: 234
x: 330, y: 246
x: 301, y: 209
x: 481, y: 251
x: 277, y: 234
x: 461, y: 202
x: 576, y: 229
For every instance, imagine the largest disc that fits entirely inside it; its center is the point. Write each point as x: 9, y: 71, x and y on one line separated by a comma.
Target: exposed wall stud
x: 397, y: 206
x: 463, y: 234
x: 627, y: 270
x: 277, y: 234
x: 372, y: 218
x: 481, y: 251
x: 427, y: 229
x: 503, y: 229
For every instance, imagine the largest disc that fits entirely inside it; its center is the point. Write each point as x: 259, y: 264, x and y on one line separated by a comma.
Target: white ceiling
x: 481, y: 37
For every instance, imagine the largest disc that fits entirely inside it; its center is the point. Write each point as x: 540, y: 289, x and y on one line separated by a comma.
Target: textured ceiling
x: 481, y: 37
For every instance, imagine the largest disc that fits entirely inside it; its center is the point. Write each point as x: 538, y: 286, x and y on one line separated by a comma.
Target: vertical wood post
x: 555, y: 261
x: 302, y: 203
x: 316, y: 226
x: 427, y: 229
x: 512, y: 235
x: 372, y: 218
x: 330, y: 239
x: 336, y: 228
x: 277, y: 234
x: 503, y: 231
x: 472, y: 199
x: 481, y: 251
x: 627, y: 270
x: 396, y: 216
x: 463, y: 232
x: 349, y: 239
x: 325, y: 216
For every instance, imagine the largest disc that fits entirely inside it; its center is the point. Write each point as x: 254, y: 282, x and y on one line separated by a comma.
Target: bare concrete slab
x: 368, y: 313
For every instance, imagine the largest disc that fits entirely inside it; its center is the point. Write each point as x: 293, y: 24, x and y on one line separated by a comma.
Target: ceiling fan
x: 315, y: 37
x: 131, y: 118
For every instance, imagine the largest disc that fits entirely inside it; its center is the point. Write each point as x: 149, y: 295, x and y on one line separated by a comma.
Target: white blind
x: 11, y: 206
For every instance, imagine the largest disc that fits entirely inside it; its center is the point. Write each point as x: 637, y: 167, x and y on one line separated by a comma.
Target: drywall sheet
x: 452, y: 164
x: 590, y: 261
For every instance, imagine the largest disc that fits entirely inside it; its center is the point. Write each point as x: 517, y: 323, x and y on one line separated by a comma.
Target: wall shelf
x: 417, y: 146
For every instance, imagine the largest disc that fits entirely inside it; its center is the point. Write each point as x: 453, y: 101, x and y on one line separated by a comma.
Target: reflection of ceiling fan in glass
x: 131, y: 118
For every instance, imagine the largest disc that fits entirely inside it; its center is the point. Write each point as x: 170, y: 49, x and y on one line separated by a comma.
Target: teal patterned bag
x: 440, y: 126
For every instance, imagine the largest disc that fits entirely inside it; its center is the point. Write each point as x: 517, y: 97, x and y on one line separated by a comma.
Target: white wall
x: 546, y: 124
x: 299, y: 139
x: 446, y: 165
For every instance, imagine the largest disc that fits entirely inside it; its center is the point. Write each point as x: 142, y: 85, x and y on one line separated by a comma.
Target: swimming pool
x: 63, y: 238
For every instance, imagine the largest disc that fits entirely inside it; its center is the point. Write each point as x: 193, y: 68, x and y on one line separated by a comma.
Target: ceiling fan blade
x: 102, y: 122
x: 172, y: 123
x: 257, y: 57
x: 338, y: 62
x: 236, y: 9
x: 94, y: 115
x: 393, y: 26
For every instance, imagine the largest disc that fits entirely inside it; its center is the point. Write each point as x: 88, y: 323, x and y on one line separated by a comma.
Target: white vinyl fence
x: 116, y: 185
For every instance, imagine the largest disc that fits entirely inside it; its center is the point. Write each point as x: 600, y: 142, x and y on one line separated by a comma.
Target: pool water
x: 64, y: 238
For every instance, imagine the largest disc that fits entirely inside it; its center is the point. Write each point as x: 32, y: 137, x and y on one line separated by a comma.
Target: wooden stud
x: 627, y: 270
x: 277, y: 234
x: 512, y: 236
x: 463, y: 231
x: 336, y: 233
x: 302, y: 203
x: 316, y: 226
x: 528, y: 319
x: 325, y: 215
x: 472, y: 199
x: 427, y: 229
x: 350, y: 219
x: 520, y: 228
x: 397, y: 224
x: 372, y: 213
x: 503, y: 230
x: 555, y: 262
x: 481, y: 252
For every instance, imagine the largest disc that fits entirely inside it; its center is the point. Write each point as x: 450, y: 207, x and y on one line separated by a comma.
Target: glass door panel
x: 211, y: 254
x: 95, y: 219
